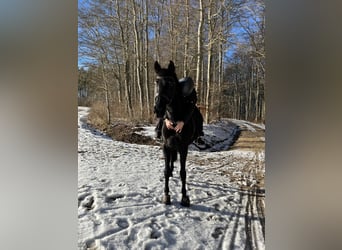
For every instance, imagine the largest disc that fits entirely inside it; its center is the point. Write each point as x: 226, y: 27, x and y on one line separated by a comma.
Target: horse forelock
x: 167, y: 75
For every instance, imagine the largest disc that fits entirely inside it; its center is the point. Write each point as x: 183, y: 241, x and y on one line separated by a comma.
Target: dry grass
x: 97, y: 116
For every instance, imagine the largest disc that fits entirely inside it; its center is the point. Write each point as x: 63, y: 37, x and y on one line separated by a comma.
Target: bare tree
x: 199, y: 45
x: 146, y: 56
x: 125, y: 55
x: 138, y: 53
x: 186, y: 39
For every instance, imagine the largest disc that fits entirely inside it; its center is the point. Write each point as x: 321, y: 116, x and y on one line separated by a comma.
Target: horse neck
x: 174, y: 108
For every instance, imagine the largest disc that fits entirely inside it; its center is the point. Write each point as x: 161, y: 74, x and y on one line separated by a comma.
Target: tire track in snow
x: 244, y: 225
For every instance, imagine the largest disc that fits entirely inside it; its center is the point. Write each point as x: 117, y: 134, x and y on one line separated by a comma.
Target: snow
x: 120, y: 186
x: 249, y: 125
x: 147, y: 131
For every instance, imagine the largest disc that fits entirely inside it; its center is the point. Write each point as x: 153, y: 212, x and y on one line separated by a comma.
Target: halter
x: 166, y: 97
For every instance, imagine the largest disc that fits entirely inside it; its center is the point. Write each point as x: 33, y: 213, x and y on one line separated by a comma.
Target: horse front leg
x: 173, y: 157
x: 185, y: 199
x: 167, y: 174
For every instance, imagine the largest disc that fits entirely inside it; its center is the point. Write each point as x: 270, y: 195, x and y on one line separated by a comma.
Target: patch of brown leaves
x: 127, y: 133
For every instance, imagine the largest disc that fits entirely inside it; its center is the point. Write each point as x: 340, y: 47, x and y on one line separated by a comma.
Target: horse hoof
x: 185, y: 202
x: 167, y: 199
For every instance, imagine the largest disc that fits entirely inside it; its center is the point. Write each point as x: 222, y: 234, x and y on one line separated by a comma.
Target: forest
x: 219, y: 43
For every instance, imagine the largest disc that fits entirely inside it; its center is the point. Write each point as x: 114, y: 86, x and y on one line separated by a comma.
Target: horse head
x: 166, y: 87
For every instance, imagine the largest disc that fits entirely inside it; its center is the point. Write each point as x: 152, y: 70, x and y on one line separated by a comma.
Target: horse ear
x: 171, y: 67
x: 157, y: 67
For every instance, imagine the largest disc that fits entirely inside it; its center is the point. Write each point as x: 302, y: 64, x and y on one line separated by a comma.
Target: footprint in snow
x: 90, y: 244
x: 88, y: 203
x: 155, y: 233
x: 113, y: 197
x: 81, y: 198
x: 122, y: 223
x: 173, y: 229
x: 217, y: 207
x: 217, y: 232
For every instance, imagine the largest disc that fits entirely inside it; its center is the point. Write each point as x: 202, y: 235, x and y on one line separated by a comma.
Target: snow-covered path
x: 120, y: 186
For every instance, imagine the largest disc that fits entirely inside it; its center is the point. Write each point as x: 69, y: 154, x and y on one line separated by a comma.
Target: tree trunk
x: 250, y: 94
x: 157, y: 30
x: 172, y: 43
x: 209, y: 68
x: 236, y: 97
x: 138, y: 58
x: 126, y: 62
x: 148, y: 103
x: 106, y: 90
x: 199, y: 46
x: 186, y: 42
x: 220, y: 79
x: 201, y: 86
x: 257, y: 109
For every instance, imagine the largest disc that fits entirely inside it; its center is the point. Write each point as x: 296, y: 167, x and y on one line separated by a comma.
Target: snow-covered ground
x: 120, y: 187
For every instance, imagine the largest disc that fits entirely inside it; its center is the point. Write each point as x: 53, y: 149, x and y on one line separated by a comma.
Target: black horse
x: 169, y: 102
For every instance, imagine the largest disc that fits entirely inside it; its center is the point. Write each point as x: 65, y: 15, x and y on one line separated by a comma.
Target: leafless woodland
x: 220, y: 44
